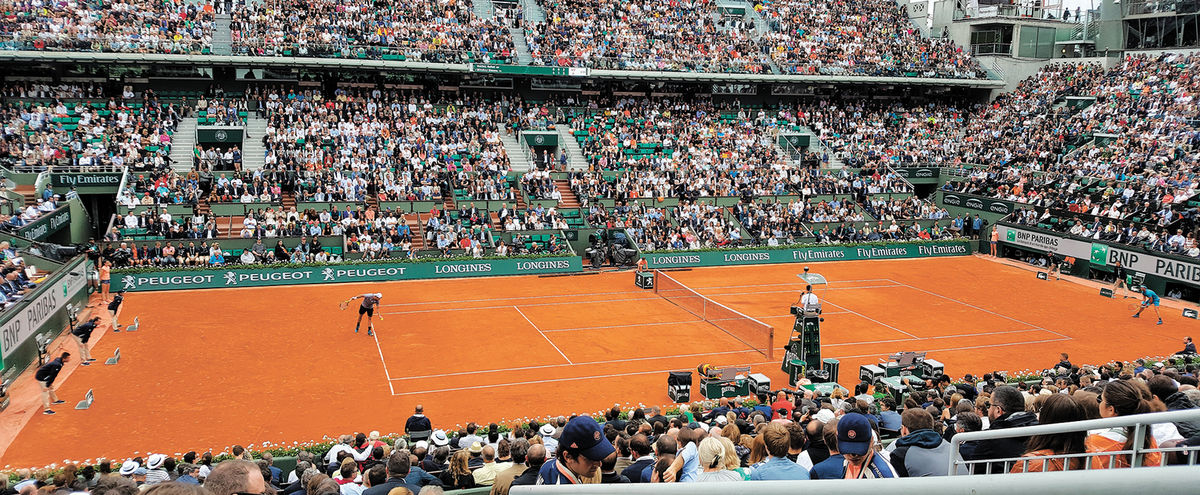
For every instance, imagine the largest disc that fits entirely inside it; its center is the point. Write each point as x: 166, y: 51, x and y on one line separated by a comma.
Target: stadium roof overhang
x: 410, y: 66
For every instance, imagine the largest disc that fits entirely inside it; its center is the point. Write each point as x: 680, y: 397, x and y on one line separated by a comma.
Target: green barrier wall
x: 42, y: 311
x: 990, y: 209
x: 47, y: 225
x: 808, y: 254
x: 329, y: 274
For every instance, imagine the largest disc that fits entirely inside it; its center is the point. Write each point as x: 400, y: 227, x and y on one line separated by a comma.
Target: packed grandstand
x: 329, y: 168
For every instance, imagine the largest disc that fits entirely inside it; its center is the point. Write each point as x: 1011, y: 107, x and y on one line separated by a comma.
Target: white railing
x: 1140, y: 423
x: 1177, y: 479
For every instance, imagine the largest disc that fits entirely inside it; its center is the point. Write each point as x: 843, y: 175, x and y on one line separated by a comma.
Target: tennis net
x: 755, y: 334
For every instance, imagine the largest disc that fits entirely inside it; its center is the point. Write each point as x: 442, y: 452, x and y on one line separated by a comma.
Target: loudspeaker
x: 831, y: 366
x: 870, y: 373
x: 931, y: 368
x: 759, y: 384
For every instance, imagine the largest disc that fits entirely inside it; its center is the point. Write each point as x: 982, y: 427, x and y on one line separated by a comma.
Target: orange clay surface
x: 214, y: 368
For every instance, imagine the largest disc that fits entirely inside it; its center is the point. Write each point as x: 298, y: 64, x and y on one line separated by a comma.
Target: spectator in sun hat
x: 547, y: 434
x: 155, y: 473
x: 476, y: 460
x: 439, y: 438
x: 128, y: 467
x: 582, y: 448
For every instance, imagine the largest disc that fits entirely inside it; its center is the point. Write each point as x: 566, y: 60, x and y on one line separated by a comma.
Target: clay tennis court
x: 213, y: 368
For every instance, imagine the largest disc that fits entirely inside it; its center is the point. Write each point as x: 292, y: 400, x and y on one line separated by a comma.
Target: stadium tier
x: 272, y: 247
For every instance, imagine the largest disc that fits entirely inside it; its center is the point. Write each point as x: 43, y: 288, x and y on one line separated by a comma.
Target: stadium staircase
x: 484, y: 9
x: 569, y: 200
x: 516, y: 153
x: 533, y: 11
x: 760, y: 24
x: 413, y: 220
x: 182, y: 142
x: 253, y: 153
x: 566, y: 140
x: 817, y: 146
x: 524, y: 57
x: 27, y: 191
x: 222, y: 40
x: 289, y: 200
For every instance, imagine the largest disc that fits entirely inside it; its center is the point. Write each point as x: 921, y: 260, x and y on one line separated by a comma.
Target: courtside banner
x: 1044, y: 242
x: 807, y: 254
x: 1181, y: 270
x: 38, y: 310
x: 265, y: 276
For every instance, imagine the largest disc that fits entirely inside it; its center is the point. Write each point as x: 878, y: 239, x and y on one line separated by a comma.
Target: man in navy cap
x: 856, y: 444
x: 582, y: 447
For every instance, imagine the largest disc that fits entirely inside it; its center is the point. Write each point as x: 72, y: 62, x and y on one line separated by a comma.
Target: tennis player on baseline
x: 1148, y: 298
x: 369, y: 303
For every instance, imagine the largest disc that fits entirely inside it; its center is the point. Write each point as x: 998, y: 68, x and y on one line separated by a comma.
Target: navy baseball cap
x: 585, y: 435
x: 854, y: 434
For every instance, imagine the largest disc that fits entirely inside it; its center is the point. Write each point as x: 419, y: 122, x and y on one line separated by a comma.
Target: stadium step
x: 182, y: 142
x: 413, y: 220
x: 520, y: 46
x: 222, y: 40
x: 515, y: 151
x: 28, y: 191
x: 253, y: 153
x: 569, y: 200
x: 760, y: 25
x: 533, y: 11
x: 288, y: 200
x: 484, y: 9
x: 566, y: 141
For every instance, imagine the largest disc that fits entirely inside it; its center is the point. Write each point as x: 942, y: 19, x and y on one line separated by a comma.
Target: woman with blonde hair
x: 712, y: 462
x: 733, y: 462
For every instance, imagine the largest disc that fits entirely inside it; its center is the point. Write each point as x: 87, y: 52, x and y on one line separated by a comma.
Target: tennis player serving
x: 369, y: 302
x: 1148, y: 298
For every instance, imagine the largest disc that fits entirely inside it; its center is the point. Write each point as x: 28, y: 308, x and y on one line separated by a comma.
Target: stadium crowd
x: 860, y: 37
x: 135, y: 26
x: 643, y: 35
x: 431, y: 31
x: 861, y: 434
x: 74, y: 130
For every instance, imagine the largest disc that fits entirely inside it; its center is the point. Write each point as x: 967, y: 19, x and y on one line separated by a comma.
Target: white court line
x: 793, y: 291
x: 539, y: 331
x: 868, y: 318
x: 823, y: 313
x: 794, y: 283
x: 552, y: 380
x: 387, y: 374
x: 969, y: 305
x: 515, y: 297
x: 966, y: 347
x: 868, y: 342
x: 611, y: 361
x: 526, y: 305
x: 621, y: 326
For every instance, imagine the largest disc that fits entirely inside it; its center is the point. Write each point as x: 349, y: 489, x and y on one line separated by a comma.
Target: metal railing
x: 1179, y: 479
x: 1140, y: 423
